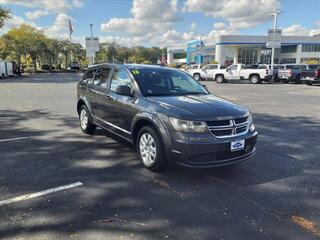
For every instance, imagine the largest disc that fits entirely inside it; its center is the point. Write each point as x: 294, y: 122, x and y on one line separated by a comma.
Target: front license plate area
x: 237, y: 145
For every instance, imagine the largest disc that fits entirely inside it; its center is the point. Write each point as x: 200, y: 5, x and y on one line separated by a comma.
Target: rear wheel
x: 309, y: 83
x: 197, y: 76
x: 255, y: 79
x: 285, y: 80
x: 85, y: 118
x: 220, y: 79
x: 150, y: 149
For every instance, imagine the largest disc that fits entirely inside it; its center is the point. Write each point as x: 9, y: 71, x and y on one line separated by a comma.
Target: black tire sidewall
x: 160, y: 162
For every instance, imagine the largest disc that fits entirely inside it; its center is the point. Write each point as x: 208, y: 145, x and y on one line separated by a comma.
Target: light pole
x: 275, y: 14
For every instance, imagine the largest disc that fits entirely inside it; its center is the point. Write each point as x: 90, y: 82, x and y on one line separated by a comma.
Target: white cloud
x: 239, y: 13
x: 36, y: 14
x: 193, y: 26
x: 16, y: 21
x: 60, y: 27
x: 49, y: 5
x: 219, y: 25
x: 155, y: 10
x: 151, y: 23
x: 295, y: 30
x: 298, y: 30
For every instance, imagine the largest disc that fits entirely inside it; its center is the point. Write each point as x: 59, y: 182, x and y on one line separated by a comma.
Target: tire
x: 197, y: 77
x: 297, y: 80
x: 309, y: 83
x: 150, y: 149
x: 255, y: 79
x: 85, y: 120
x: 220, y: 79
x: 285, y: 80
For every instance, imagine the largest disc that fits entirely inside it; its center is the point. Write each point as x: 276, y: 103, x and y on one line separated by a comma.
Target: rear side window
x: 119, y: 77
x: 101, y: 77
x: 87, y: 77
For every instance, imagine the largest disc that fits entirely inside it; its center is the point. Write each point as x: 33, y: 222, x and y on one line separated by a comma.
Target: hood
x: 197, y: 107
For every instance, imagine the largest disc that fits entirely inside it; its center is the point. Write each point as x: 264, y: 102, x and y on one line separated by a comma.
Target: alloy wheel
x: 148, y: 149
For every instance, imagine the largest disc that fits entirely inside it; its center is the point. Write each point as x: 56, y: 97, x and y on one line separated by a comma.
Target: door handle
x: 108, y: 97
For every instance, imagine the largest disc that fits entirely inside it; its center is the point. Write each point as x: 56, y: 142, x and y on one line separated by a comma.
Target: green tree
x: 4, y: 15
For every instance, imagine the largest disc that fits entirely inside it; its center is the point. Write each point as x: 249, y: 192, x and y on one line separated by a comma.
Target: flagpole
x: 70, y: 33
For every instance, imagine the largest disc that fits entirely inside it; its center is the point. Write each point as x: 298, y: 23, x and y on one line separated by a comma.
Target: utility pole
x: 92, y: 58
x: 275, y: 14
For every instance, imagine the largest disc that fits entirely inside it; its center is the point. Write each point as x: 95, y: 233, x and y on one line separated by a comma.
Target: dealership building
x: 246, y: 49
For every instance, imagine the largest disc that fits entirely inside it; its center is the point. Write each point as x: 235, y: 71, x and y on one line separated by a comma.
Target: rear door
x: 99, y: 90
x: 85, y: 86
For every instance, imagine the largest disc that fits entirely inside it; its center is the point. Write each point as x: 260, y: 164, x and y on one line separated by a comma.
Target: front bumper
x: 205, y: 151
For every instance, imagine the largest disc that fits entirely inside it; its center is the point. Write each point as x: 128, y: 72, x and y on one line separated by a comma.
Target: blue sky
x: 163, y: 22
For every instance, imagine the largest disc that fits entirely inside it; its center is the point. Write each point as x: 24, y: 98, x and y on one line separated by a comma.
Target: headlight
x: 188, y: 126
x: 251, y: 125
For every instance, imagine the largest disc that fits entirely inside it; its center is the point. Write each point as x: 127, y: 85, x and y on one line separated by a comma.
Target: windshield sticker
x: 135, y: 72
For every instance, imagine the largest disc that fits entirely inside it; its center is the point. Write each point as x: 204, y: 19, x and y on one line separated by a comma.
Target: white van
x: 9, y: 69
x: 3, y: 69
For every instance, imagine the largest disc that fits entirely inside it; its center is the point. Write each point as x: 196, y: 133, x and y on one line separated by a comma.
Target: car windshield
x: 158, y: 82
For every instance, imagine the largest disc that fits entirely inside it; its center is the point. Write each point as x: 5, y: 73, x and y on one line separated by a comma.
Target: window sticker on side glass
x: 135, y: 71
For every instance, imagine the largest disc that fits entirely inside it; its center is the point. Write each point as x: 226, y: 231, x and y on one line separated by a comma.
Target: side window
x: 101, y: 77
x: 119, y: 77
x: 233, y: 67
x: 87, y: 77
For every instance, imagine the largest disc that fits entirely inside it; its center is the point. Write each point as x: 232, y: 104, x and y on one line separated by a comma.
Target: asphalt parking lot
x: 275, y: 195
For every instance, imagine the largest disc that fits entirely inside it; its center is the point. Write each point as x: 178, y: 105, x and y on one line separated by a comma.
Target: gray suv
x: 167, y: 115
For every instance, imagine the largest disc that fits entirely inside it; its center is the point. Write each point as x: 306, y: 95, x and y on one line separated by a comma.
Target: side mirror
x: 124, y: 90
x: 227, y: 69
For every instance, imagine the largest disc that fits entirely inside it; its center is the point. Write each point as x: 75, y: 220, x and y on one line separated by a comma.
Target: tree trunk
x: 34, y: 62
x: 66, y: 61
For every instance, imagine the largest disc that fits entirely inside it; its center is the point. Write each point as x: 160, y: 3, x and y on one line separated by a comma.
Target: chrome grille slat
x: 236, y: 127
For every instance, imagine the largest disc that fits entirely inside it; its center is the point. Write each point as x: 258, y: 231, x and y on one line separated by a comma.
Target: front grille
x: 228, y: 128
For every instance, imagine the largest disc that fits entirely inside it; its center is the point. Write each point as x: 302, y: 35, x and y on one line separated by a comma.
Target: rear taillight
x: 267, y: 72
x: 291, y: 72
x: 318, y: 72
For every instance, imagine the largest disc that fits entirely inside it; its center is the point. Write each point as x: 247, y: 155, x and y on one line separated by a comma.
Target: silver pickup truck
x: 291, y: 72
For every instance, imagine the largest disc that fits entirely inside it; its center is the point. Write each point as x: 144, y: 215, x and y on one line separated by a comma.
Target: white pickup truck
x: 240, y: 72
x: 207, y: 72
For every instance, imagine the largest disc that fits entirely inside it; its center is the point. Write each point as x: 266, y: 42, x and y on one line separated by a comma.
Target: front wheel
x: 285, y: 80
x: 150, y: 149
x: 197, y: 77
x: 255, y: 79
x: 219, y: 79
x: 85, y: 118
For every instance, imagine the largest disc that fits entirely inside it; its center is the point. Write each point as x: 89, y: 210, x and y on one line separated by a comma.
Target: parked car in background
x: 193, y: 70
x: 167, y: 115
x: 205, y: 73
x: 74, y: 66
x: 241, y: 72
x: 311, y: 75
x: 291, y: 72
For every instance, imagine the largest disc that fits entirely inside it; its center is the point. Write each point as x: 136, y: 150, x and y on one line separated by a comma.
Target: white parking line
x: 14, y: 139
x: 39, y: 194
